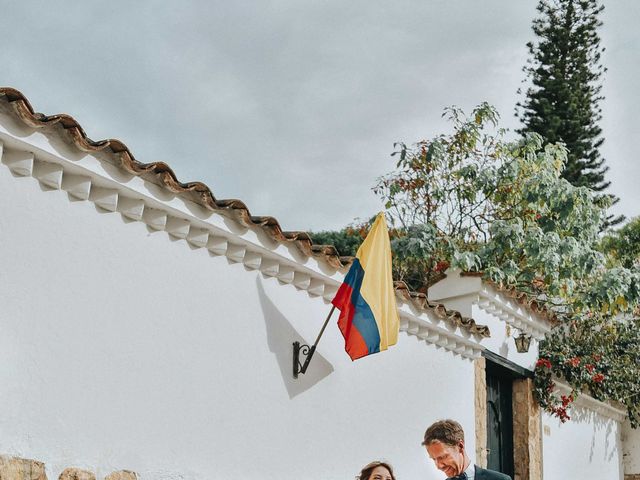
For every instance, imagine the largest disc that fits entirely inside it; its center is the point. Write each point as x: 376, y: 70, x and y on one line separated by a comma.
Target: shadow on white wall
x: 584, y: 415
x: 280, y: 337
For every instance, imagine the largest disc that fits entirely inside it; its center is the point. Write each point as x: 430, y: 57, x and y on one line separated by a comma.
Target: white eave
x: 491, y: 300
x: 475, y: 291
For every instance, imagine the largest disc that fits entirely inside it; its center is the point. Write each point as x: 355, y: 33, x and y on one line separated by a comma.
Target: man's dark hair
x: 446, y: 431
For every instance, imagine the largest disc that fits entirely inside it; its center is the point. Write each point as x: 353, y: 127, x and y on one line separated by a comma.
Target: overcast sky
x: 293, y: 106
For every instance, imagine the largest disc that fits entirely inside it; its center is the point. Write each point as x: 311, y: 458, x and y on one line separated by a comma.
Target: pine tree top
x: 564, y: 74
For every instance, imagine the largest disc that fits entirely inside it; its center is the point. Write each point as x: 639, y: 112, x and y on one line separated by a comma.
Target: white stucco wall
x: 631, y: 448
x: 121, y: 347
x: 586, y: 447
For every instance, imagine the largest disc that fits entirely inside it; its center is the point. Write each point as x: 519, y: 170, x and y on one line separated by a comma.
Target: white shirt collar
x: 471, y: 471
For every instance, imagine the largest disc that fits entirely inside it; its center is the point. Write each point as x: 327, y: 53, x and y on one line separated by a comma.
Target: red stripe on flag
x: 355, y: 344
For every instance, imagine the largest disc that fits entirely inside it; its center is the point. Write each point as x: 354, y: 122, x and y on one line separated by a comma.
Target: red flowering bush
x: 574, y: 362
x: 592, y: 355
x: 543, y: 363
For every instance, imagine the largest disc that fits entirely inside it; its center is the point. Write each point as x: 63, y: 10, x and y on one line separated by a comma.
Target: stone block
x: 527, y: 435
x: 480, y: 403
x: 15, y: 468
x: 76, y: 474
x: 122, y: 475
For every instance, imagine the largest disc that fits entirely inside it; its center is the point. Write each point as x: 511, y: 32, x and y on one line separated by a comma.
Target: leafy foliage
x: 595, y: 354
x: 473, y: 200
x: 624, y: 244
x: 346, y: 240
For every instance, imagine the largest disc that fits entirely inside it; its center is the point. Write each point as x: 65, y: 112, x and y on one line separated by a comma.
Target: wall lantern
x: 522, y: 342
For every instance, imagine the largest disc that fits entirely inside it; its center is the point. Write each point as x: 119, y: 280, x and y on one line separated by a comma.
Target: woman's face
x: 380, y: 473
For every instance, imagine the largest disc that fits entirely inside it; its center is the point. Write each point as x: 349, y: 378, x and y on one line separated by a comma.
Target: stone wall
x: 15, y: 468
x: 527, y: 438
x: 480, y: 404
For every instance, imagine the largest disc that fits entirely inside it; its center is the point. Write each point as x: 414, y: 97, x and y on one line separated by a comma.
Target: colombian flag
x: 366, y: 299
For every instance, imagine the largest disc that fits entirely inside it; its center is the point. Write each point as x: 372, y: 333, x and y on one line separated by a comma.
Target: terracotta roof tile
x: 197, y: 191
x: 200, y: 193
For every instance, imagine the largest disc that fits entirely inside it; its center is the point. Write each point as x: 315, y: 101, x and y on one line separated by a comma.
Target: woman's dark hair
x: 366, y: 471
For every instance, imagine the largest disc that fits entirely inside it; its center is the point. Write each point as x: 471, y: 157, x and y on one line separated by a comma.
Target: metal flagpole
x: 298, y: 349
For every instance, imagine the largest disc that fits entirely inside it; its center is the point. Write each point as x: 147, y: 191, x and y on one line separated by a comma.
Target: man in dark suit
x: 444, y: 441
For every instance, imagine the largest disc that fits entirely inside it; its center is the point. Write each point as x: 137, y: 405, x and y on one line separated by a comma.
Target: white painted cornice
x: 438, y: 332
x: 29, y: 153
x: 475, y: 291
x: 508, y: 309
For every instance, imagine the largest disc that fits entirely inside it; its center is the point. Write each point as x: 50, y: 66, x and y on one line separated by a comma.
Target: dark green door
x: 499, y: 420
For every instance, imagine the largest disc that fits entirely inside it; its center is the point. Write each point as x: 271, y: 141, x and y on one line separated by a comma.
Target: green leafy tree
x: 562, y: 103
x: 624, y: 244
x: 347, y: 240
x: 475, y: 201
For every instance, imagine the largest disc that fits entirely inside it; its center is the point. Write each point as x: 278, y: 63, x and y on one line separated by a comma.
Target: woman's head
x: 377, y: 471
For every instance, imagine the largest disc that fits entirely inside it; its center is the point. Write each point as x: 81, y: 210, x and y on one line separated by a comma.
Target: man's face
x: 448, y: 458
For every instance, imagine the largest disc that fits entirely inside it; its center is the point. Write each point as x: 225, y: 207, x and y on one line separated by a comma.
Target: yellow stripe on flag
x: 377, y: 285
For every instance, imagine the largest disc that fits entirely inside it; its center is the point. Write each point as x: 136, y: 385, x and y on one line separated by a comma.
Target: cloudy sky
x: 290, y: 106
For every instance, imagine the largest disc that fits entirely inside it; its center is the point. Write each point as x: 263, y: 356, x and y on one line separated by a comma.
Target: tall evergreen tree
x: 564, y: 71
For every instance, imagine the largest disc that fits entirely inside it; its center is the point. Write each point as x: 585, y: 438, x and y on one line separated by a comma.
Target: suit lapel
x: 480, y: 473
